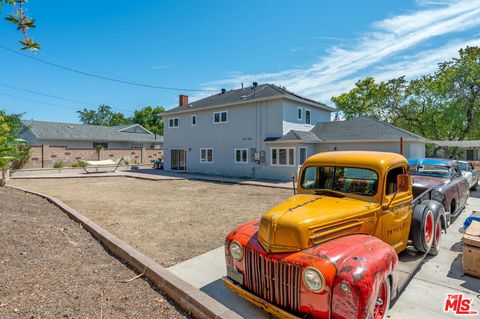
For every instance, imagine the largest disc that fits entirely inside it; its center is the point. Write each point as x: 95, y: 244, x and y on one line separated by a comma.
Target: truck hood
x: 306, y: 220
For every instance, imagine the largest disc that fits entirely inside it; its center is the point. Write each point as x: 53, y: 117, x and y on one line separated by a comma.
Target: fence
x: 44, y: 156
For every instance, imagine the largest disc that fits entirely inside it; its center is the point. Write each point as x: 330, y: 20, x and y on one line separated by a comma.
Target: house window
x: 299, y: 113
x: 220, y: 117
x: 194, y: 120
x: 206, y: 155
x: 173, y: 122
x: 283, y: 156
x: 241, y: 155
x: 307, y: 117
x: 303, y: 155
x: 100, y: 144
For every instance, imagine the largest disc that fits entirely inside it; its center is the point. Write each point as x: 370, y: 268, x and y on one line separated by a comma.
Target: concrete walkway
x: 424, y: 297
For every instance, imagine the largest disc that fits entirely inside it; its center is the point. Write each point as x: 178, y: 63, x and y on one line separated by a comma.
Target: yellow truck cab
x: 331, y: 250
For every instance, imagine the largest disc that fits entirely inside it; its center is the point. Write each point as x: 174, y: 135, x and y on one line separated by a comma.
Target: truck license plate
x: 234, y: 275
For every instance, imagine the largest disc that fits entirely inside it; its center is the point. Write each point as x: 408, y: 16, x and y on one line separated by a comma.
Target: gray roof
x: 296, y: 136
x: 82, y: 132
x: 461, y: 144
x: 361, y: 128
x: 262, y: 91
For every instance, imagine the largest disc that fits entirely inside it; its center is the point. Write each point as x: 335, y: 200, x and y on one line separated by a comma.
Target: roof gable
x: 134, y: 128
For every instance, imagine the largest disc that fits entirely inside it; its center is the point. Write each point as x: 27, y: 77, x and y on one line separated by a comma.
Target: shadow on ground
x: 219, y: 292
x: 456, y: 272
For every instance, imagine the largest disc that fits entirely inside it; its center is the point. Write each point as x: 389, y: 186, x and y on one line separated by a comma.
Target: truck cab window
x: 391, y: 185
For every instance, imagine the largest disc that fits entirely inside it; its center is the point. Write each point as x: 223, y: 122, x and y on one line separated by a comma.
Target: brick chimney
x: 183, y: 100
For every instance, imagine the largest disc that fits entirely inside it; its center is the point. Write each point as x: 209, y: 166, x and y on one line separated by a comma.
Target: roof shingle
x: 68, y: 131
x: 247, y: 94
x: 361, y: 128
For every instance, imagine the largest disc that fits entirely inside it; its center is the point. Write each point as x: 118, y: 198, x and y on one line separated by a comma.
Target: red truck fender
x: 360, y: 271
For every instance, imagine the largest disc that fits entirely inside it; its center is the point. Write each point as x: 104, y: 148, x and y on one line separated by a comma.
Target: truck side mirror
x: 403, y: 182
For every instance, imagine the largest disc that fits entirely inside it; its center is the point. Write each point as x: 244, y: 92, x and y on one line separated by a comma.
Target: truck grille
x: 275, y: 281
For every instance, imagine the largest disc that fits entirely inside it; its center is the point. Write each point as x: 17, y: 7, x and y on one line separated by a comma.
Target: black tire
x: 437, y: 237
x: 474, y: 187
x: 423, y: 223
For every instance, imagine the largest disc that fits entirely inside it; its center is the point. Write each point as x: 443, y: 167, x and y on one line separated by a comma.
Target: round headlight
x: 313, y: 279
x: 236, y: 251
x: 438, y: 196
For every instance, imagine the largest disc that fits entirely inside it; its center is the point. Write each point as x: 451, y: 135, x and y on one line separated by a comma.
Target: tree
x: 444, y: 105
x: 104, y: 115
x: 22, y: 21
x: 12, y: 152
x: 148, y: 118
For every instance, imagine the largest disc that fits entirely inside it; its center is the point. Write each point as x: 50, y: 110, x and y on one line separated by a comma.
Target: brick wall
x: 35, y: 160
x: 45, y: 156
x: 476, y: 164
x: 152, y: 154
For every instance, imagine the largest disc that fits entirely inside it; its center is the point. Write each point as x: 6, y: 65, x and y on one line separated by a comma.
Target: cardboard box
x: 471, y: 260
x: 472, y: 234
x: 471, y: 250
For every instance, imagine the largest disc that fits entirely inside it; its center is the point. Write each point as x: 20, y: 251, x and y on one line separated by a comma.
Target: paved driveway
x: 424, y: 297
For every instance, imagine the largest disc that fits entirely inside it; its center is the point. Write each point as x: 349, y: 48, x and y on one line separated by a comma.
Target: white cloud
x: 159, y: 67
x: 392, y: 37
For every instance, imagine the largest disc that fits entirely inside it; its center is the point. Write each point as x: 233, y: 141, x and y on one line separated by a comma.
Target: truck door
x: 396, y: 210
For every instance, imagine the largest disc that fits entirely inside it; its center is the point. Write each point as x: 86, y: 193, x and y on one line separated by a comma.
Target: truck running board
x: 409, y: 262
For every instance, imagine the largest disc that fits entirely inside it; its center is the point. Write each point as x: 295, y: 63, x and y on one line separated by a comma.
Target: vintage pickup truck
x: 334, y: 249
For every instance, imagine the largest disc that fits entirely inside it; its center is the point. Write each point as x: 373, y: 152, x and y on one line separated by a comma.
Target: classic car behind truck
x: 445, y: 180
x: 343, y: 246
x: 472, y: 175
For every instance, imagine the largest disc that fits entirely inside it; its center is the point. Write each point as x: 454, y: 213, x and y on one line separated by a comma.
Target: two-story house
x: 265, y: 131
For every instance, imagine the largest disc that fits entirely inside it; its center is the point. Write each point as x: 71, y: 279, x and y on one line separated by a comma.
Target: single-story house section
x: 266, y: 131
x: 361, y: 133
x: 469, y: 149
x: 68, y: 143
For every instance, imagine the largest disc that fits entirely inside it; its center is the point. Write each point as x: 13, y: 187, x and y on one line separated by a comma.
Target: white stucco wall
x: 292, y: 122
x: 415, y: 150
x: 248, y: 126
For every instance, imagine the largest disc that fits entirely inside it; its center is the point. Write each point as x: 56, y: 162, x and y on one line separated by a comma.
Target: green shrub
x: 22, y: 156
x: 79, y: 164
x: 58, y: 164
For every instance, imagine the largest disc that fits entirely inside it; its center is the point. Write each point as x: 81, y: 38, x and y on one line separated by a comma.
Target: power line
x: 44, y: 94
x: 57, y: 97
x: 66, y: 68
x: 55, y: 55
x: 40, y: 102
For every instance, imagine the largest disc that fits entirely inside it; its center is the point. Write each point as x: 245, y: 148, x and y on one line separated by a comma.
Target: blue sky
x: 315, y: 48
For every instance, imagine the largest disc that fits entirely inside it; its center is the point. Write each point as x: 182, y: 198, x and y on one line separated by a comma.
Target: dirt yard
x: 170, y: 221
x: 52, y: 268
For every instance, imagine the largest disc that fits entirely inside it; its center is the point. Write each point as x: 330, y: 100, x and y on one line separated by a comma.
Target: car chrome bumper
x: 257, y: 301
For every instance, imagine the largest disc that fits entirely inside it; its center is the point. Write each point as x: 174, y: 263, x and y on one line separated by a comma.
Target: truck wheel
x: 383, y: 300
x: 436, y: 240
x: 423, y: 224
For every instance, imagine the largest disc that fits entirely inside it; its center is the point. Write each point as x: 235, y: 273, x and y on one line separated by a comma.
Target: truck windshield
x: 342, y: 179
x: 430, y: 170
